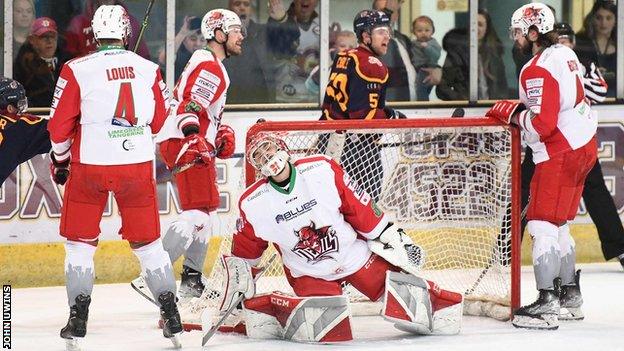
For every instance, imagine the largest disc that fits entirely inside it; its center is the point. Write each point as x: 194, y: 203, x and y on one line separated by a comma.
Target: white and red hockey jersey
x: 106, y: 107
x: 558, y: 118
x: 198, y: 98
x: 320, y: 225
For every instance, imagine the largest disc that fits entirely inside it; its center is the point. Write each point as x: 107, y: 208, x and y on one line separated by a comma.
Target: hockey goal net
x: 451, y: 183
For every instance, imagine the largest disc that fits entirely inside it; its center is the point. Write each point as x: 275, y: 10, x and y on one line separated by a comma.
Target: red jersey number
x: 125, y: 103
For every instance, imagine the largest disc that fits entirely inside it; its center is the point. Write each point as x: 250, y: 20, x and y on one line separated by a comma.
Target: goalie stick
x: 234, y: 305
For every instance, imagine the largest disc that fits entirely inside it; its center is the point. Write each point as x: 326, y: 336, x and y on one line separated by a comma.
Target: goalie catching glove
x: 398, y: 249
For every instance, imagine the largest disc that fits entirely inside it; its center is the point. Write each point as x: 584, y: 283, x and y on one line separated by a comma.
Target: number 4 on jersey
x: 125, y: 103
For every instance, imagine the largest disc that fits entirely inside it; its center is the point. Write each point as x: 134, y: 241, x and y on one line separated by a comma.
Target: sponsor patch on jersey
x: 204, y: 94
x: 572, y: 65
x: 376, y: 209
x: 534, y: 82
x: 61, y: 83
x: 55, y: 101
x: 374, y: 61
x: 296, y: 212
x: 316, y: 244
x: 535, y: 92
x: 210, y: 78
x: 58, y: 92
x: 240, y: 223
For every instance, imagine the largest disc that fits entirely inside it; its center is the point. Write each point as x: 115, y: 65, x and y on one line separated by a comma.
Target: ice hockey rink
x: 120, y: 320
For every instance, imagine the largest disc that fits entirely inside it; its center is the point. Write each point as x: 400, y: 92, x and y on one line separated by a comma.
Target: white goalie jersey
x: 320, y: 224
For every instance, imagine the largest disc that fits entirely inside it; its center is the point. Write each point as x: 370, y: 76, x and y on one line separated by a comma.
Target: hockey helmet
x: 268, y: 154
x: 564, y: 30
x: 533, y: 14
x: 111, y: 22
x: 367, y: 20
x: 12, y: 93
x: 222, y: 19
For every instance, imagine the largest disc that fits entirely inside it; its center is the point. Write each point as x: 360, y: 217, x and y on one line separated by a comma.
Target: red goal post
x: 452, y: 183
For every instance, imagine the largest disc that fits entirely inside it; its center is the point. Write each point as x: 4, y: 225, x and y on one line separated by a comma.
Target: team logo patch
x: 374, y: 61
x: 316, y: 245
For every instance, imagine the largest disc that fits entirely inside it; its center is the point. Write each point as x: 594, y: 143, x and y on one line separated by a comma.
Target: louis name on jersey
x: 320, y: 223
x: 558, y: 117
x: 106, y: 110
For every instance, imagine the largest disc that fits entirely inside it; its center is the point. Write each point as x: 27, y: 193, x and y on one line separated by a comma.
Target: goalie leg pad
x: 302, y: 319
x: 419, y: 306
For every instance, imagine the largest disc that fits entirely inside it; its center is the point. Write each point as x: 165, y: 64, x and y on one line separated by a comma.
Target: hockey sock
x: 195, y: 255
x: 568, y: 255
x: 546, y: 253
x: 79, y: 269
x: 180, y: 233
x: 156, y: 268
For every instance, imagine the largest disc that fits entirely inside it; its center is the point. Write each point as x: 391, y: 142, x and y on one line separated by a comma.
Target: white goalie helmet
x: 219, y: 19
x: 268, y: 154
x: 111, y: 22
x: 533, y: 14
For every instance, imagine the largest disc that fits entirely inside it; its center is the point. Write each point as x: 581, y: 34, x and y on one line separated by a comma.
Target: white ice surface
x: 120, y: 320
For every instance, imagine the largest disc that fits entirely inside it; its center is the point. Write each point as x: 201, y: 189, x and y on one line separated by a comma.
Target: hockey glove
x: 59, y: 170
x: 195, y: 150
x: 595, y: 85
x: 398, y: 249
x: 394, y: 114
x: 504, y: 110
x: 225, y: 142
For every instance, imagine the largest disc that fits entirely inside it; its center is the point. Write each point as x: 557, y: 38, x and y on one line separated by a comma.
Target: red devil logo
x: 531, y: 13
x: 316, y: 244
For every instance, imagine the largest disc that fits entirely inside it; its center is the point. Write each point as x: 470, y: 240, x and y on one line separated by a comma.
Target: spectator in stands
x: 252, y: 72
x: 23, y: 17
x: 399, y: 60
x: 187, y: 40
x: 596, y: 42
x: 294, y: 37
x: 39, y: 62
x: 426, y: 53
x: 343, y: 40
x: 455, y: 77
x: 79, y: 34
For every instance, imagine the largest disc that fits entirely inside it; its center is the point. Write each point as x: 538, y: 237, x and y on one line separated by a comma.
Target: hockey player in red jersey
x: 328, y: 231
x: 357, y: 90
x: 560, y: 127
x: 106, y: 107
x: 191, y: 139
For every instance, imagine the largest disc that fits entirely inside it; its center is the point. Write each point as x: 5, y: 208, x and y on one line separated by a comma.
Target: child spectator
x: 426, y: 53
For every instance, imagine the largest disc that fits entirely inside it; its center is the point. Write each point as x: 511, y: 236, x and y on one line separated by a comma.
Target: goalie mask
x: 535, y: 15
x: 268, y: 154
x: 111, y: 22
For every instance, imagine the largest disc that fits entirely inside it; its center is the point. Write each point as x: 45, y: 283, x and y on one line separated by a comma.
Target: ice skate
x: 172, y: 326
x: 541, y: 314
x: 571, y: 300
x: 76, y: 327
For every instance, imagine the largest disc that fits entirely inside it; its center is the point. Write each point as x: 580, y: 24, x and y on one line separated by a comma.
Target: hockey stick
x: 234, y: 305
x: 143, y: 25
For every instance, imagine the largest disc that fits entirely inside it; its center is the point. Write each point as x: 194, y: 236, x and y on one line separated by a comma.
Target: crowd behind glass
x: 281, y: 54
